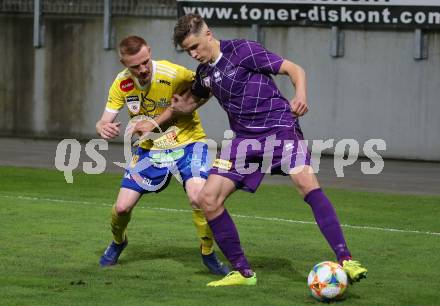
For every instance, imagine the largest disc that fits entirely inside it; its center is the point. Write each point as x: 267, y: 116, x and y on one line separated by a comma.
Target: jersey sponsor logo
x: 168, y: 140
x: 139, y: 179
x: 148, y: 104
x: 164, y: 82
x: 127, y: 85
x: 133, y: 104
x: 147, y: 181
x: 222, y: 164
x: 163, y: 102
x: 164, y: 157
x: 130, y: 99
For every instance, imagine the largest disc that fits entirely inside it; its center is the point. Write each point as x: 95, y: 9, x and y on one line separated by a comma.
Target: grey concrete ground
x: 406, y: 177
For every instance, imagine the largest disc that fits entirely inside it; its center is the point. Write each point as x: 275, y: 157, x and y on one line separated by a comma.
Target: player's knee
x: 122, y: 209
x: 208, y: 202
x: 193, y: 197
x: 193, y: 201
x: 193, y: 191
x: 202, y: 198
x: 305, y: 182
x: 302, y: 185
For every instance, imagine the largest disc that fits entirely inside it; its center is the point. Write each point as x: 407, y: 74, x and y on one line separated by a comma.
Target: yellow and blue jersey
x: 152, y: 99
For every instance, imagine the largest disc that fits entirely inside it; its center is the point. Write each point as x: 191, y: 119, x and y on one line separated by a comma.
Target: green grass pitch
x: 53, y: 233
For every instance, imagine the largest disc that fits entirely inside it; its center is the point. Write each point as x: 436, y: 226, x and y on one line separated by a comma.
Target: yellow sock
x: 119, y: 225
x: 203, y: 231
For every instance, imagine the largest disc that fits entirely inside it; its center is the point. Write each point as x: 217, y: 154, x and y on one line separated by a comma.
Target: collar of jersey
x: 153, y: 73
x: 216, y: 60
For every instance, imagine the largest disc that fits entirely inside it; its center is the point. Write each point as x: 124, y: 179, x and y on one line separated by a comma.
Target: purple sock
x: 226, y: 237
x: 328, y: 223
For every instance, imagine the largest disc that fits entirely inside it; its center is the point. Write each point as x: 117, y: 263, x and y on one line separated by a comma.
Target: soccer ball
x: 327, y: 281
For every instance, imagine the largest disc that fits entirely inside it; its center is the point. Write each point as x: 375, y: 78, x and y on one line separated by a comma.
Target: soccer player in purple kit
x: 237, y: 72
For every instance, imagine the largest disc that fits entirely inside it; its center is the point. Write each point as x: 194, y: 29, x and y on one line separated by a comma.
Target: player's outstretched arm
x: 105, y: 127
x: 144, y: 127
x: 298, y: 77
x: 181, y: 105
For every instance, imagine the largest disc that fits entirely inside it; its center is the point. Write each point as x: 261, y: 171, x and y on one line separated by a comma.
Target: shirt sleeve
x: 115, y: 100
x: 185, y: 78
x: 198, y: 87
x: 255, y: 57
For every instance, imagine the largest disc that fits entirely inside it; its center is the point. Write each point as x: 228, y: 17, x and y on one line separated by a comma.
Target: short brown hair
x: 185, y: 26
x: 131, y: 45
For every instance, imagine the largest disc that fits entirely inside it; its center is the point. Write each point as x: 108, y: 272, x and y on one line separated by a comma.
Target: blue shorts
x: 151, y: 170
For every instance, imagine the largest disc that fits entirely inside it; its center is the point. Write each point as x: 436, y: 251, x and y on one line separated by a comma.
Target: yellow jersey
x: 152, y: 99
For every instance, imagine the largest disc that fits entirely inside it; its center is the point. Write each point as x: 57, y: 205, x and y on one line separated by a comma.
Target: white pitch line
x: 384, y: 229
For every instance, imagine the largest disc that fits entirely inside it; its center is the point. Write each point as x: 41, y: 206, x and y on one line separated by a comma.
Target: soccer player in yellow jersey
x: 146, y: 87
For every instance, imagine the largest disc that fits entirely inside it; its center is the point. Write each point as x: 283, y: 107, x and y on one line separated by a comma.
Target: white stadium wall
x: 376, y: 90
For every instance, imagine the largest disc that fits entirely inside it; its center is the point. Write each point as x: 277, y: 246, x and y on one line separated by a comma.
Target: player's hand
x: 299, y: 105
x: 183, y: 103
x: 143, y: 128
x: 109, y: 130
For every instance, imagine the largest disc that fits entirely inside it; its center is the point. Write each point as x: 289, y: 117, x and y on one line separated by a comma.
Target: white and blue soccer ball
x: 327, y: 281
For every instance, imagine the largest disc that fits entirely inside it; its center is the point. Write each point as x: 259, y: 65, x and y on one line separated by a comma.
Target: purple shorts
x: 245, y: 161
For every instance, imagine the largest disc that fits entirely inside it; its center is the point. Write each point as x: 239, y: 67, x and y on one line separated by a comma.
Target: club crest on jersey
x: 217, y: 76
x: 133, y: 104
x: 207, y: 82
x: 127, y: 85
x: 230, y: 71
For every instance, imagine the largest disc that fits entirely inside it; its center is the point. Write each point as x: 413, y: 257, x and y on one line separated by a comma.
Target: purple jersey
x: 240, y: 80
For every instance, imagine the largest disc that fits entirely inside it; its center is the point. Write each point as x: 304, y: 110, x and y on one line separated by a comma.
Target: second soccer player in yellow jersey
x: 146, y: 87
